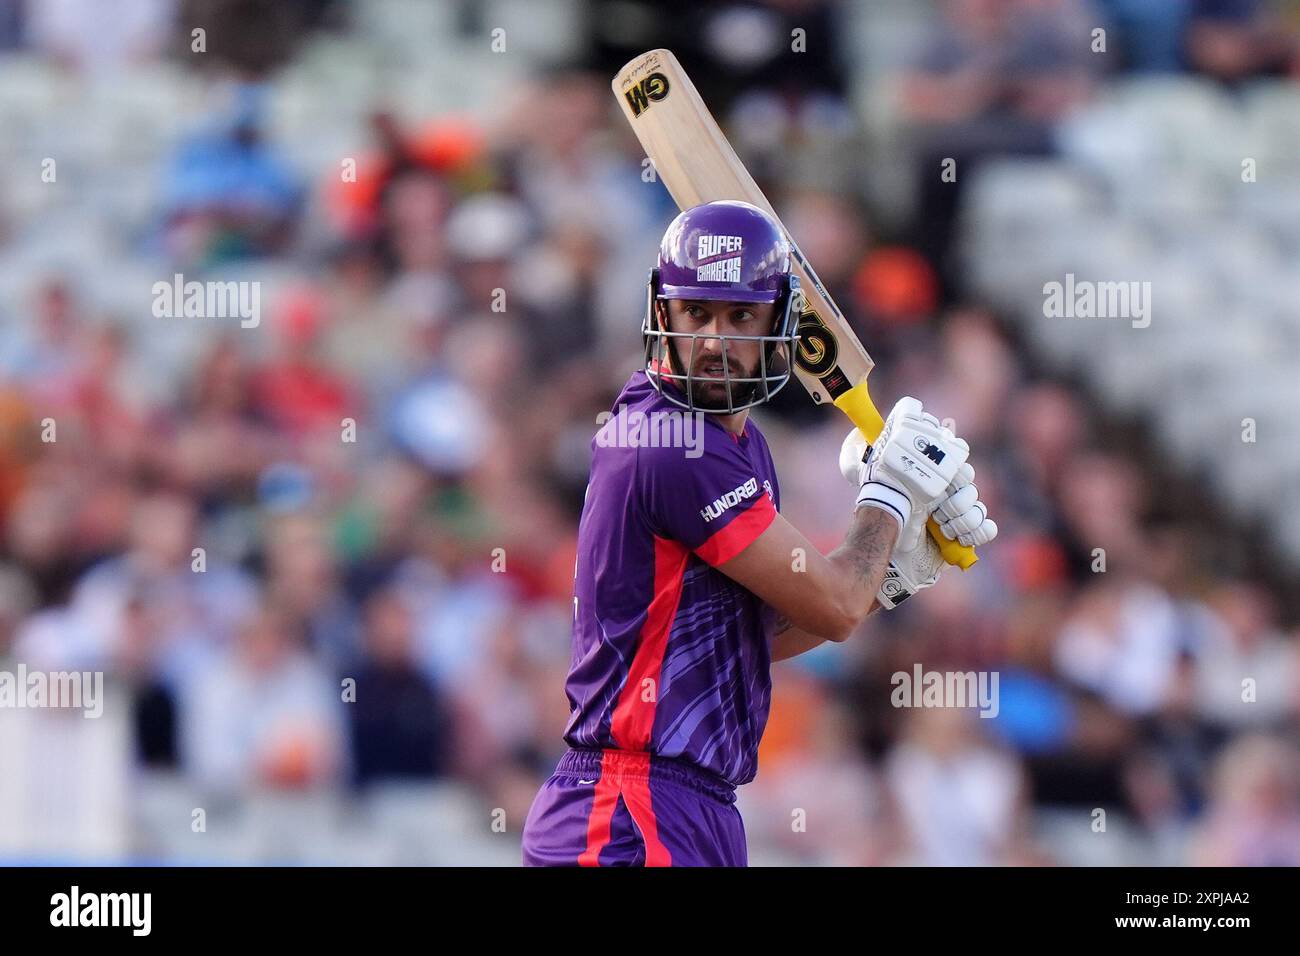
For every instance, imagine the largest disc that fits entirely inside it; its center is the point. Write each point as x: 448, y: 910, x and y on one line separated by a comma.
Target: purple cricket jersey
x: 670, y: 656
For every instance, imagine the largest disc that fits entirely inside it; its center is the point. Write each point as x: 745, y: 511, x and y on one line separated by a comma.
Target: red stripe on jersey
x: 728, y: 542
x: 634, y: 714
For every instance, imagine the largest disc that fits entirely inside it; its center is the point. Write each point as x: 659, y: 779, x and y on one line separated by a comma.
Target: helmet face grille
x: 663, y: 347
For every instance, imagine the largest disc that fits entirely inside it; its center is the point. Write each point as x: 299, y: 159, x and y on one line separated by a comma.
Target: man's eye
x: 694, y: 311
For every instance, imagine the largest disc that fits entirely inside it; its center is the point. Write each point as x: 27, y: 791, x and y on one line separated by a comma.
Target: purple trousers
x: 622, y: 808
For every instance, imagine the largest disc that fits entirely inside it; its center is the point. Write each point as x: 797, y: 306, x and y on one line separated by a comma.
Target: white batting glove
x: 910, y: 465
x: 916, y: 563
x: 853, y: 461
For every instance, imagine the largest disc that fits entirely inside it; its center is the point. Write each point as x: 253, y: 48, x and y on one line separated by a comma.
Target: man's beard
x: 709, y: 396
x: 709, y: 393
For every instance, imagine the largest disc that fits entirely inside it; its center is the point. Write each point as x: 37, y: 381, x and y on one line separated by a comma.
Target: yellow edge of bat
x: 690, y: 135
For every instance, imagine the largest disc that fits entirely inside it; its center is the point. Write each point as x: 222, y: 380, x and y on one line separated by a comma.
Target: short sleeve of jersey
x: 715, y: 504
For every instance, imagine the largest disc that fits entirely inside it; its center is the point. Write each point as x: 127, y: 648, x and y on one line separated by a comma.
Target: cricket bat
x: 697, y: 164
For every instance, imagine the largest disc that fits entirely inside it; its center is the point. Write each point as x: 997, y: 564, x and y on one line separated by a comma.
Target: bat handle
x: 857, y: 404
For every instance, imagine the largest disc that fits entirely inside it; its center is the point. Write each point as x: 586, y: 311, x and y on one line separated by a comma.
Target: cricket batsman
x: 685, y: 589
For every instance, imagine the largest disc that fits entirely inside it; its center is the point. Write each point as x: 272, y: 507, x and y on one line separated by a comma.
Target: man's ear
x: 669, y: 350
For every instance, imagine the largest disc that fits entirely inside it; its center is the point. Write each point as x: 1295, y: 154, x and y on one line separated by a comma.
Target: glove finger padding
x: 983, y: 534
x: 979, y: 528
x: 957, y: 504
x: 966, y: 522
x: 965, y: 476
x: 986, y: 532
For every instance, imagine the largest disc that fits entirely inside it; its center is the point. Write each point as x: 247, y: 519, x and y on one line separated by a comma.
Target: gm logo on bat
x: 652, y: 89
x: 818, y: 350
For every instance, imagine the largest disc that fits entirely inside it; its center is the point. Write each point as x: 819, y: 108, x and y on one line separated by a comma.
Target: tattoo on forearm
x: 782, y: 625
x: 868, y: 544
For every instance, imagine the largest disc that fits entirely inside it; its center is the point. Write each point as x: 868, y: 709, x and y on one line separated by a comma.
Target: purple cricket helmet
x: 724, y: 251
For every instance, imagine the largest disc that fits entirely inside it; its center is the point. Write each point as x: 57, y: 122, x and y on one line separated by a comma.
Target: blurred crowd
x: 335, y: 551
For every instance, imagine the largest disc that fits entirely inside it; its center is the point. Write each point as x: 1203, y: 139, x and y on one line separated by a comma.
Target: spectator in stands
x: 1148, y: 34
x: 295, y: 390
x: 304, y: 581
x: 1121, y: 640
x: 1102, y: 500
x: 227, y: 194
x: 1254, y: 815
x: 221, y: 440
x: 249, y: 38
x: 42, y: 354
x: 97, y: 37
x: 265, y: 714
x: 1247, y: 672
x: 960, y: 800
x: 195, y: 610
x: 1235, y: 40
x: 400, y: 727
x: 991, y: 80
